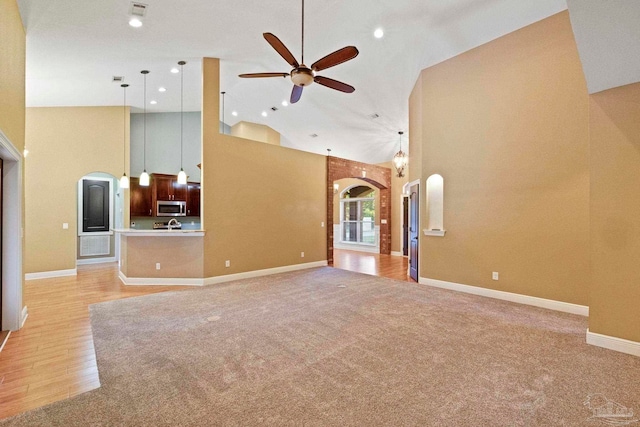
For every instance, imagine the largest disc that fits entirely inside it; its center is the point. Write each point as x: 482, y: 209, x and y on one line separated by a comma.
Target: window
x: 357, y: 209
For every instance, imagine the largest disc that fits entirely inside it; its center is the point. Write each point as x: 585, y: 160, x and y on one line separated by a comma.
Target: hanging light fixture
x: 144, y: 177
x: 124, y: 181
x: 182, y: 176
x: 223, y: 125
x: 400, y: 159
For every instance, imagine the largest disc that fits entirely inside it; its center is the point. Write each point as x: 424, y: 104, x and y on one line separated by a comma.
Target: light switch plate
x: 65, y: 225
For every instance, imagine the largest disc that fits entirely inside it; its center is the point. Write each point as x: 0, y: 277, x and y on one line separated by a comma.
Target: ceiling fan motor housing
x: 302, y: 76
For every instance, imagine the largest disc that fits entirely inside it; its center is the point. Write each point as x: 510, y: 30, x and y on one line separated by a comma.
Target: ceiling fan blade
x: 281, y: 49
x: 335, y: 58
x: 254, y: 75
x: 296, y: 93
x: 334, y: 84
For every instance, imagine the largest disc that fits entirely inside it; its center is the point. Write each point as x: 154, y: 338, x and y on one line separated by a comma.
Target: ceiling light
x: 400, y: 159
x: 378, y: 33
x: 162, y: 89
x: 285, y: 103
x: 234, y: 113
x: 153, y: 102
x: 264, y: 114
x: 124, y: 180
x: 135, y: 23
x: 174, y: 70
x: 182, y: 176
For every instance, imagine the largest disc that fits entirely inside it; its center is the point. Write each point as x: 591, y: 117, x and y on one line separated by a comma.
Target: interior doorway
x: 414, y: 226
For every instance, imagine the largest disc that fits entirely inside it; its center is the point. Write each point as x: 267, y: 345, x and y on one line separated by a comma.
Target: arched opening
x: 356, y: 220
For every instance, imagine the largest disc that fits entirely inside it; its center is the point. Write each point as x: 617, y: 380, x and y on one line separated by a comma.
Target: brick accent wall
x: 379, y: 177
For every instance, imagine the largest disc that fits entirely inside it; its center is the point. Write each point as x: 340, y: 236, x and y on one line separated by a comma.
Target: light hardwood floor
x: 52, y: 357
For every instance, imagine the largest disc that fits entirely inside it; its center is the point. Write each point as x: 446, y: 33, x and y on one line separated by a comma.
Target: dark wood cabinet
x: 166, y: 187
x: 140, y: 199
x: 193, y: 199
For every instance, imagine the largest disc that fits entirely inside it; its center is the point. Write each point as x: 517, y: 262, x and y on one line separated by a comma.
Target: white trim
x: 396, y: 253
x: 50, y: 274
x: 24, y: 315
x: 436, y: 233
x: 84, y: 261
x: 12, y: 235
x: 265, y: 272
x: 565, y: 307
x: 613, y: 343
x: 167, y: 281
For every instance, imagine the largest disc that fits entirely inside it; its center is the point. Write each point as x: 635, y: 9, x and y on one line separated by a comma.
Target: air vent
x: 314, y: 135
x: 117, y: 79
x: 137, y: 9
x: 274, y: 109
x: 374, y: 116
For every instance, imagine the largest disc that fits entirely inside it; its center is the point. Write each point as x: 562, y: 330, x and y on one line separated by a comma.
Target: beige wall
x: 506, y: 125
x: 262, y: 204
x: 178, y: 256
x: 65, y: 144
x: 255, y: 132
x: 12, y: 70
x: 396, y: 205
x: 615, y: 212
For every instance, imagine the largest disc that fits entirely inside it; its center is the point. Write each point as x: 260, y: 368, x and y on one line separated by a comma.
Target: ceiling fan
x: 301, y: 75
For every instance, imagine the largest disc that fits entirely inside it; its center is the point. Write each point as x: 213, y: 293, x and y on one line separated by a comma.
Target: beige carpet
x: 302, y: 349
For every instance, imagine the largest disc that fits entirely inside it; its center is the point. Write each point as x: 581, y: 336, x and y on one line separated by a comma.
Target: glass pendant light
x: 144, y: 177
x: 182, y: 176
x: 124, y: 181
x: 400, y: 160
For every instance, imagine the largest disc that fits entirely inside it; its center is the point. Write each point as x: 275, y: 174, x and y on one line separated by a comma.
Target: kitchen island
x: 161, y: 257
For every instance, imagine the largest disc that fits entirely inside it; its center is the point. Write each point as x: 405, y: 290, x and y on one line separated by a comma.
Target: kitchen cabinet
x: 166, y: 187
x: 193, y: 199
x: 140, y: 199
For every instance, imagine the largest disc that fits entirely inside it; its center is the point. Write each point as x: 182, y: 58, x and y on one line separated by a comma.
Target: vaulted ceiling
x: 75, y: 47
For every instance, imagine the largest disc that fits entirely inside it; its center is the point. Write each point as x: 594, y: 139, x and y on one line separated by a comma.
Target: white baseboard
x: 23, y: 316
x: 613, y: 343
x: 266, y: 272
x: 50, y: 274
x: 396, y: 253
x: 85, y: 261
x: 565, y: 307
x: 167, y: 281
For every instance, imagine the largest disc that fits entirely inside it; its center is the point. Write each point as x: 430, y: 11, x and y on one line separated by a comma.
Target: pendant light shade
x: 124, y: 181
x: 144, y: 177
x: 400, y: 159
x: 182, y: 176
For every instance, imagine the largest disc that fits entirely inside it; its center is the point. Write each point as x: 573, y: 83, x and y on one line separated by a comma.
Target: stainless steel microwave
x: 171, y: 208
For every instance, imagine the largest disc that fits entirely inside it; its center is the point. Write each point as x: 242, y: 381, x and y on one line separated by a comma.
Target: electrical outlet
x: 495, y: 275
x: 322, y: 224
x: 301, y: 254
x: 227, y: 263
x: 157, y: 266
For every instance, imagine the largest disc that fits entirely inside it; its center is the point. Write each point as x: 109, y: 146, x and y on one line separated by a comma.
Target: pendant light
x: 224, y: 131
x: 124, y: 181
x: 400, y: 159
x: 144, y: 177
x: 182, y: 176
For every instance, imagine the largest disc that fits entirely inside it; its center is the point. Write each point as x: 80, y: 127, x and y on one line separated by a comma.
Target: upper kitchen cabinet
x: 166, y: 187
x: 141, y: 198
x: 193, y: 199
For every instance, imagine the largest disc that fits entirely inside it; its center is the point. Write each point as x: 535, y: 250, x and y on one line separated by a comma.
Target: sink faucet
x: 173, y: 222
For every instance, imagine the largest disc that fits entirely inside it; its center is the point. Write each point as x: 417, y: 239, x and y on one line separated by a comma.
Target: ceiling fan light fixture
x: 302, y: 76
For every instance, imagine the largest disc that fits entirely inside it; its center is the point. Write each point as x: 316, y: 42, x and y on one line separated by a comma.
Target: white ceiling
x: 74, y: 48
x: 608, y: 37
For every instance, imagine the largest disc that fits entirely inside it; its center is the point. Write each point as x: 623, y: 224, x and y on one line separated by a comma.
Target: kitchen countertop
x: 159, y: 232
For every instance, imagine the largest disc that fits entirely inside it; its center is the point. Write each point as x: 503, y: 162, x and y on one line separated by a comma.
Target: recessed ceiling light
x: 174, y: 70
x: 135, y: 23
x: 285, y: 103
x: 264, y: 114
x: 378, y: 33
x: 153, y: 102
x: 234, y: 113
x: 162, y: 89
